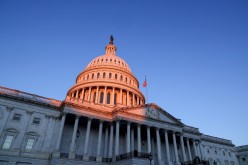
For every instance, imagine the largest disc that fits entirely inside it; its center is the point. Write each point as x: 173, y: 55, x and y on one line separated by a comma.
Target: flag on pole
x: 144, y: 83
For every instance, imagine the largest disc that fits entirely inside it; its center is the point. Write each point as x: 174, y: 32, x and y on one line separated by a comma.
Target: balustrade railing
x: 16, y: 93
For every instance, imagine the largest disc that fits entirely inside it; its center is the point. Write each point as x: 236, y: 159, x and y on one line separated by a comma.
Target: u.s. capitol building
x: 104, y: 119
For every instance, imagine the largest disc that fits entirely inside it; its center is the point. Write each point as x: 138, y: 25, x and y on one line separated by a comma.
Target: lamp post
x: 150, y: 157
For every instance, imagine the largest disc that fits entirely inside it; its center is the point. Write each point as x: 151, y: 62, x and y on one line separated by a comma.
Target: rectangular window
x: 36, y: 121
x: 17, y: 117
x: 8, y: 141
x: 30, y: 144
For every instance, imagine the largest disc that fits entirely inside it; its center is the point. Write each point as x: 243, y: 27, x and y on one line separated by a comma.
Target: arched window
x: 104, y: 75
x: 94, y: 97
x: 116, y: 76
x: 121, y: 78
x: 88, y: 77
x: 92, y: 76
x: 126, y: 79
x: 101, y: 97
x: 98, y: 75
x: 108, y: 98
x: 110, y: 75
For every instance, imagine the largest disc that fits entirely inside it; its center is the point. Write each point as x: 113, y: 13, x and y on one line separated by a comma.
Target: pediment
x: 152, y: 111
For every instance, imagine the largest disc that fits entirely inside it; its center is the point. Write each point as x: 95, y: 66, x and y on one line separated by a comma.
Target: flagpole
x: 146, y: 91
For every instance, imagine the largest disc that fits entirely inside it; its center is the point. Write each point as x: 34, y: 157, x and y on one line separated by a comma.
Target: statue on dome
x: 111, y: 39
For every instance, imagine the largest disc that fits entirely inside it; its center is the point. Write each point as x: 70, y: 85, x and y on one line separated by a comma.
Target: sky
x: 193, y: 53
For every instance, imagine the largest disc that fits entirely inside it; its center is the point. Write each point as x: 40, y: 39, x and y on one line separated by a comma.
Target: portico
x: 109, y: 141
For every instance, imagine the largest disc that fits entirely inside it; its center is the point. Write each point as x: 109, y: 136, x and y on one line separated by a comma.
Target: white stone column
x: 133, y: 99
x: 85, y: 156
x: 128, y: 99
x: 195, y: 150
x: 82, y: 95
x: 121, y: 96
x: 77, y: 94
x: 167, y: 146
x: 5, y: 119
x: 99, y: 158
x: 139, y: 138
x: 132, y: 139
x: 128, y: 136
x: 117, y: 137
x: 105, y: 96
x: 199, y: 151
x: 113, y: 96
x: 158, y: 144
x: 148, y: 139
x: 89, y: 96
x: 72, y: 146
x: 49, y: 133
x: 175, y: 147
x: 189, y: 151
x: 106, y: 142
x: 182, y: 147
x: 111, y: 140
x: 20, y: 138
x: 60, y: 132
x: 97, y: 95
x: 138, y: 102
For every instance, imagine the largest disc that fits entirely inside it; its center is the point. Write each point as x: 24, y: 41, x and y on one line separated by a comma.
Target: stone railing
x: 191, y: 129
x: 216, y: 140
x: 28, y: 96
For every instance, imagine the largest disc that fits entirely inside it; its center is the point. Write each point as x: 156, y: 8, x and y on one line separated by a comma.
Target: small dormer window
x: 17, y: 117
x: 36, y: 121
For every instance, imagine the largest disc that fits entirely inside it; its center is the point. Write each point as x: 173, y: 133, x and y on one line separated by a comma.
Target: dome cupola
x: 107, y: 82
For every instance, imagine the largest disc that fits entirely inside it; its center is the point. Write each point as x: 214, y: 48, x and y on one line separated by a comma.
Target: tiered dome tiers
x: 107, y: 81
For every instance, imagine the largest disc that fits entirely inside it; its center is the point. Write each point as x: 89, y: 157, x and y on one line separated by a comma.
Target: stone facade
x: 103, y: 120
x: 242, y: 154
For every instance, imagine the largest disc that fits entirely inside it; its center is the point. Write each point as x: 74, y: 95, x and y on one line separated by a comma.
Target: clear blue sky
x: 193, y: 53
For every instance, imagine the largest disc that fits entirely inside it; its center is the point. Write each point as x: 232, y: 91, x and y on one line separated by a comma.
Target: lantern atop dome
x: 111, y: 48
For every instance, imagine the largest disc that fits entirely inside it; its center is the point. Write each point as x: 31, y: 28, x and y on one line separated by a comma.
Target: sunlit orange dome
x: 108, y: 82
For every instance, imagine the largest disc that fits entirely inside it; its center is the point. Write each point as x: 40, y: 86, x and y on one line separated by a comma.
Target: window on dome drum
x: 224, y: 153
x: 104, y: 75
x: 29, y: 145
x: 98, y: 75
x: 229, y: 154
x: 17, y: 117
x: 215, y: 152
x: 36, y: 121
x: 88, y: 77
x: 121, y: 78
x: 116, y: 76
x: 110, y: 75
x: 126, y: 79
x: 7, y: 142
x: 108, y: 98
x: 92, y: 76
x: 101, y: 97
x: 94, y: 97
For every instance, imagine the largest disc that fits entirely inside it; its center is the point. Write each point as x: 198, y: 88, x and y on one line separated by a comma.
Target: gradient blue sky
x: 194, y: 53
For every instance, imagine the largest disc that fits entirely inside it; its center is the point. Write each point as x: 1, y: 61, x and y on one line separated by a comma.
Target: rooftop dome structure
x: 106, y: 82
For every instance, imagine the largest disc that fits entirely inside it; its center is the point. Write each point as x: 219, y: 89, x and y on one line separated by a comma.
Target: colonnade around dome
x: 105, y: 95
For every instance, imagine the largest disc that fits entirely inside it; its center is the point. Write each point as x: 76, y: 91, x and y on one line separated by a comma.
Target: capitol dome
x: 108, y: 82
